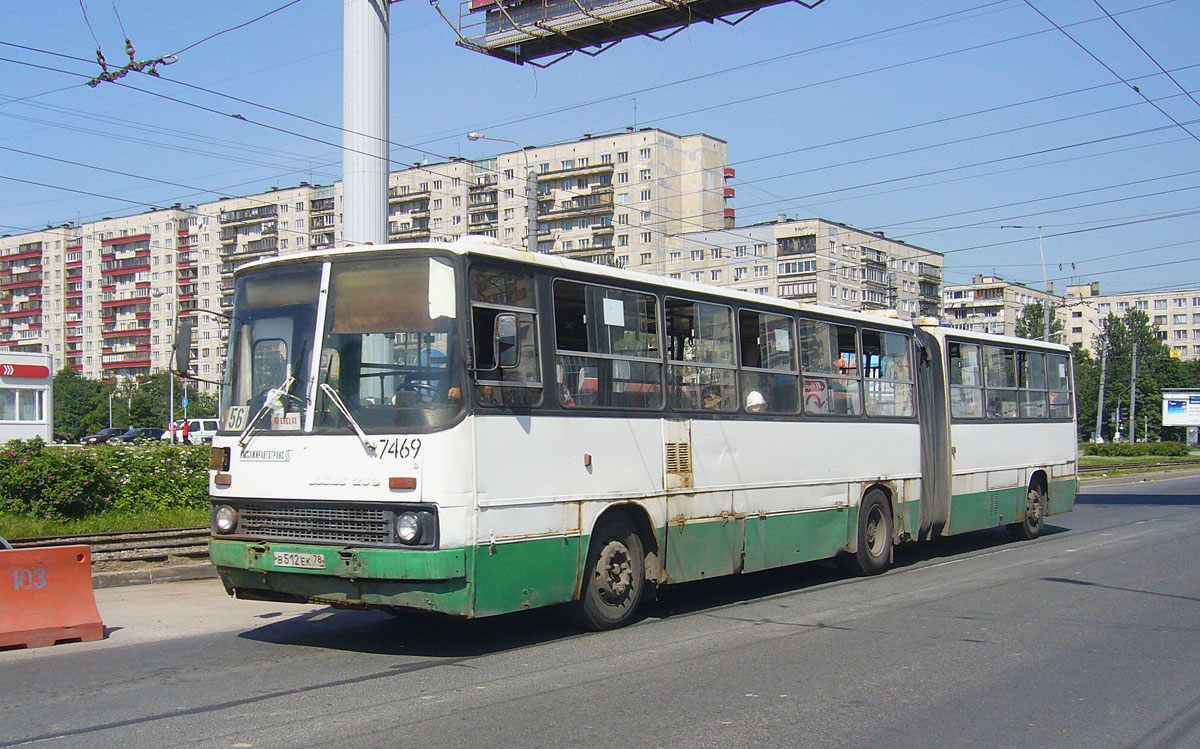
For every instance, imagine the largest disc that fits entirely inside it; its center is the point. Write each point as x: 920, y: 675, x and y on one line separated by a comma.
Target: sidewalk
x: 136, y: 614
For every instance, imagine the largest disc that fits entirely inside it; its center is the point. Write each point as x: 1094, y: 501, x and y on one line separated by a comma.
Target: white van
x: 200, y: 431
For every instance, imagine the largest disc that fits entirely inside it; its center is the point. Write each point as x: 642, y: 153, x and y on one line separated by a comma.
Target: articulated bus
x: 475, y: 430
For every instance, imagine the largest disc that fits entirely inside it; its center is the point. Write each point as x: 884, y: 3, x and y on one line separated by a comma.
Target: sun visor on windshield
x: 378, y: 298
x: 280, y: 289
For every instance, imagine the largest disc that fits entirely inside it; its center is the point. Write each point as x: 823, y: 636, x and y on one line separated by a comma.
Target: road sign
x: 183, y: 403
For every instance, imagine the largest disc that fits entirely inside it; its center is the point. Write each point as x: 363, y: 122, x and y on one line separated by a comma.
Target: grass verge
x: 23, y: 526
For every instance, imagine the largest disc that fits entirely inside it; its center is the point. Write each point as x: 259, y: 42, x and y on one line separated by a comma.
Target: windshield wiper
x: 274, y: 395
x: 337, y: 401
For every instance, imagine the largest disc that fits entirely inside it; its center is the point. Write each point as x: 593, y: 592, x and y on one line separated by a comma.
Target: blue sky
x: 934, y: 122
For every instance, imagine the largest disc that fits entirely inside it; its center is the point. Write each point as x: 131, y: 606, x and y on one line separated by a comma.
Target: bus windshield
x: 270, y: 347
x: 390, y: 345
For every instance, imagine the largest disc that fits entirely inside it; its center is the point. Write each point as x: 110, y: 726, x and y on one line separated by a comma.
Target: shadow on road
x: 433, y: 635
x: 415, y: 633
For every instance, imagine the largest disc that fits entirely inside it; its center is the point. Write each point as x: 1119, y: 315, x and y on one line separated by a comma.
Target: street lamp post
x: 531, y: 190
x: 1045, y: 282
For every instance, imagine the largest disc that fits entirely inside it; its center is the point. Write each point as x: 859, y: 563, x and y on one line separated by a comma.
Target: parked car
x: 200, y: 431
x: 104, y: 435
x: 140, y: 433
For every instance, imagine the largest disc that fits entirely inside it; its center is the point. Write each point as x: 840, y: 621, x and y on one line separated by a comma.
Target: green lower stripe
x: 359, y: 564
x: 527, y: 574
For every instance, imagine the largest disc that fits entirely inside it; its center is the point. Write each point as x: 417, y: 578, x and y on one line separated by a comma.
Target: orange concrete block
x: 46, y: 597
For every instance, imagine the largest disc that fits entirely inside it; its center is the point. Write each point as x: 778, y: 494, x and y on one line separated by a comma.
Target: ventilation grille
x: 679, y: 457
x: 993, y: 505
x: 283, y: 522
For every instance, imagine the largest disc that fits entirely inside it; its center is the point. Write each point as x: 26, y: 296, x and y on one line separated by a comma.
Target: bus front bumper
x: 344, y: 576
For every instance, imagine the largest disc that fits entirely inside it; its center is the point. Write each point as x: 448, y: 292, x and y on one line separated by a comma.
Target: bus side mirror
x: 183, y: 346
x: 504, y: 341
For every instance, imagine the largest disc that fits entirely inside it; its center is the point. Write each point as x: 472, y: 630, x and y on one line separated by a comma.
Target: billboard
x: 524, y: 31
x: 1181, y: 408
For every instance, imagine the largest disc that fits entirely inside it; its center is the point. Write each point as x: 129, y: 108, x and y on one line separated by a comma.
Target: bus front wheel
x: 874, y: 551
x: 614, y: 578
x: 1031, y: 524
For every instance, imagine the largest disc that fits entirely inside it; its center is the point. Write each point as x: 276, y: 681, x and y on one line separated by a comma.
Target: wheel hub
x: 614, y: 571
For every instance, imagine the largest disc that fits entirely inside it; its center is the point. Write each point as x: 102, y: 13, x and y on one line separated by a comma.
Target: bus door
x: 935, y: 436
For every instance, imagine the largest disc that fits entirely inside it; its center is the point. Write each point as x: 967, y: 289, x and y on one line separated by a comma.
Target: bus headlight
x: 408, y: 527
x: 225, y: 519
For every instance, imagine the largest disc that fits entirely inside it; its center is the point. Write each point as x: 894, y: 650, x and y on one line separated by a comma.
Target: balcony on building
x: 930, y: 271
x: 580, y: 206
x: 27, y: 251
x: 576, y: 171
x: 805, y: 244
x: 244, y: 216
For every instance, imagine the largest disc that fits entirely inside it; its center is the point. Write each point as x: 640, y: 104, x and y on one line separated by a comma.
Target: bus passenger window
x: 1031, y: 373
x: 966, y: 380
x: 888, y: 374
x: 608, y: 348
x: 1058, y: 378
x: 829, y: 360
x: 769, y: 368
x: 1000, y: 377
x: 700, y: 353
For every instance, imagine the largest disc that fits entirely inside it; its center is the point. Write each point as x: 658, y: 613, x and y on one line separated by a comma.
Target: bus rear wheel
x: 614, y: 577
x: 1031, y: 524
x: 874, y: 552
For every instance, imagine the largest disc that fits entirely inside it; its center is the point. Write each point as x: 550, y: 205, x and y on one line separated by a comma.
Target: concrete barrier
x: 46, y: 597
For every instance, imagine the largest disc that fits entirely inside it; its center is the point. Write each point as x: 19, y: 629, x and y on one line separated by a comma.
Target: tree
x: 1155, y: 370
x: 80, y: 404
x: 1032, y: 323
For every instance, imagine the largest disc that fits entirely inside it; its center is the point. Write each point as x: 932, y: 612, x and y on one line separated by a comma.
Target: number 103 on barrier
x: 25, y: 579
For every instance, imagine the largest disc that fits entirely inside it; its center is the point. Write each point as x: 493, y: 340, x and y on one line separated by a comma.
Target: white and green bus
x: 475, y: 430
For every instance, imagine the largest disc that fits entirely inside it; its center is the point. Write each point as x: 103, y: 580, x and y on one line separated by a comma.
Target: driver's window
x: 496, y: 291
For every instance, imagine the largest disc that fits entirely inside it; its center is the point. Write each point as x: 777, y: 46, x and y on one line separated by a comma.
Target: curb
x: 149, y: 575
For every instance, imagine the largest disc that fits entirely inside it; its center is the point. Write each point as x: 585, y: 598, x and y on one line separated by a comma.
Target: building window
x: 644, y: 175
x: 646, y: 258
x: 697, y: 256
x: 645, y: 195
x: 646, y: 238
x: 644, y: 154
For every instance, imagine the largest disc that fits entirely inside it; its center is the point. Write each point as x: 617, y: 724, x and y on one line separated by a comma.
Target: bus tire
x: 614, y: 579
x: 874, y: 551
x: 1033, y: 521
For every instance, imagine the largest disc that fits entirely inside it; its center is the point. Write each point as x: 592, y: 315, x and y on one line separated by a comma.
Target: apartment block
x: 990, y: 304
x: 1175, y: 315
x: 814, y: 260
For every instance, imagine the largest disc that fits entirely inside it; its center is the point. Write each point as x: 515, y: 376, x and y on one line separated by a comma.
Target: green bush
x: 61, y: 483
x: 1140, y: 449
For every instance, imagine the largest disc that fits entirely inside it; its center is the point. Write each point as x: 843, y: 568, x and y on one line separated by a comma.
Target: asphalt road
x: 1089, y: 636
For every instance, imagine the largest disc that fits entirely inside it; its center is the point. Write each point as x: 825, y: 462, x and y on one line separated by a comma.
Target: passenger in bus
x: 755, y: 402
x: 712, y: 398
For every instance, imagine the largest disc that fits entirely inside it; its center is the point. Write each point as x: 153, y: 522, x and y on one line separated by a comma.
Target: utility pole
x: 1100, y: 403
x: 365, y: 119
x: 1133, y: 396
